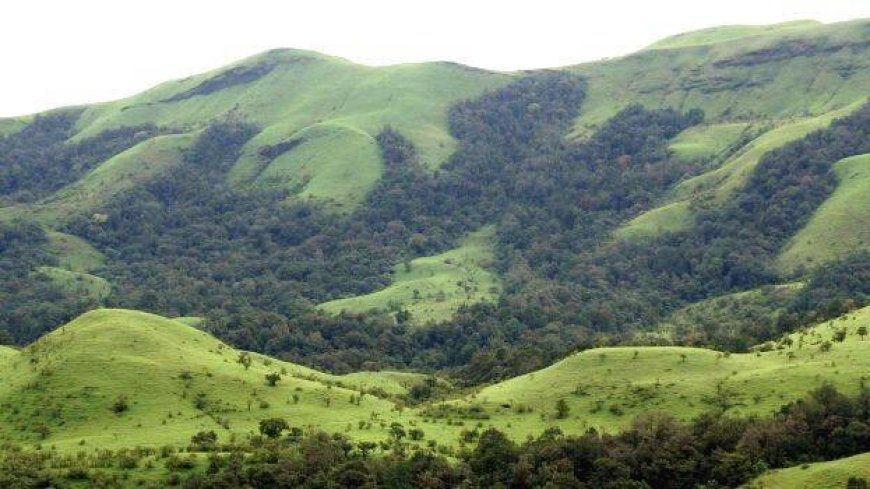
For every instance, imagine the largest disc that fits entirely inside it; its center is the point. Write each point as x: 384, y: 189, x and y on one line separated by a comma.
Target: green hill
x: 840, y: 225
x: 735, y: 73
x: 606, y: 388
x: 822, y: 475
x: 175, y: 380
x: 434, y: 287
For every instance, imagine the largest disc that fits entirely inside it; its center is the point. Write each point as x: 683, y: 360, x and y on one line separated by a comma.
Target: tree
x: 856, y: 483
x: 825, y: 347
x: 397, y: 431
x: 862, y: 332
x: 272, y: 378
x: 245, y: 359
x: 204, y: 440
x: 273, y: 427
x: 840, y: 335
x: 562, y: 409
x: 120, y: 405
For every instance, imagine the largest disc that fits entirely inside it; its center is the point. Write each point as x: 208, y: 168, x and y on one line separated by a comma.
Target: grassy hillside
x: 433, y: 287
x: 725, y: 33
x: 176, y: 381
x: 74, y: 253
x: 841, y: 225
x: 331, y: 104
x: 78, y: 284
x: 823, y: 475
x: 706, y: 142
x: 606, y: 387
x: 722, y: 181
x: 735, y: 73
x: 124, y: 171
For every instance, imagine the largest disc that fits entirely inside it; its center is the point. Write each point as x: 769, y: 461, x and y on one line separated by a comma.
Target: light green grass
x: 68, y: 380
x: 335, y: 162
x: 306, y: 91
x: 442, y: 283
x: 724, y: 311
x: 672, y: 217
x: 74, y: 253
x: 190, y: 320
x: 734, y: 172
x: 727, y: 33
x: 822, y: 475
x: 701, y: 75
x: 659, y: 380
x: 77, y: 284
x: 721, y: 182
x: 707, y: 141
x: 841, y: 225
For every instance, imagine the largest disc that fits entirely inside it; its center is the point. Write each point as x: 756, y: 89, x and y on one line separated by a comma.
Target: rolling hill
x: 421, y: 239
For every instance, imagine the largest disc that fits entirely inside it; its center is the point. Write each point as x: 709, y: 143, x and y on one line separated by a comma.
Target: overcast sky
x: 62, y: 52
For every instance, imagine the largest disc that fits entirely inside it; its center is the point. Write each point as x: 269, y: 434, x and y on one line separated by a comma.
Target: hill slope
x: 176, y: 381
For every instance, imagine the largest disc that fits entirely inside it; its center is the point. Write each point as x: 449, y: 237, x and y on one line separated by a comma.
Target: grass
x: 725, y: 311
x: 701, y: 74
x: 707, y: 141
x: 729, y: 177
x: 720, y: 183
x: 822, y: 475
x: 61, y: 389
x: 124, y: 171
x: 178, y: 380
x: 336, y: 163
x: 715, y: 35
x: 606, y: 387
x: 840, y: 225
x: 77, y: 283
x: 669, y: 218
x: 434, y: 287
x: 74, y: 253
x: 338, y: 106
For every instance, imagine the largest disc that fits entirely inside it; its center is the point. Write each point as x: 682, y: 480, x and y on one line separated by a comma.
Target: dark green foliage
x: 238, y: 75
x: 37, y: 160
x: 273, y: 427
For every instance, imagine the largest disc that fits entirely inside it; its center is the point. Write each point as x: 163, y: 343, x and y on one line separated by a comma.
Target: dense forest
x: 255, y: 263
x: 656, y: 451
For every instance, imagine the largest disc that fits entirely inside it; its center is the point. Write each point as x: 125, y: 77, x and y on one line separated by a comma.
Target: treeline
x: 656, y: 451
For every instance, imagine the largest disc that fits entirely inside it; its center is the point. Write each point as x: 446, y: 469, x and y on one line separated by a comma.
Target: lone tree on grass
x: 245, y: 359
x: 273, y: 427
x: 272, y: 378
x: 120, y: 405
x: 862, y: 332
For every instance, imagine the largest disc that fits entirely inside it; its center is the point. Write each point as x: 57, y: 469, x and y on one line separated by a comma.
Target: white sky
x: 65, y: 52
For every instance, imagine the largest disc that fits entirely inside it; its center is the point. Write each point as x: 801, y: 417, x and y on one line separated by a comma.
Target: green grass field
x: 707, y: 141
x: 727, y: 33
x: 336, y: 106
x: 74, y: 253
x: 822, y: 475
x: 606, y: 387
x: 840, y: 225
x: 434, y: 287
x: 78, y: 284
x: 176, y: 381
x: 706, y: 73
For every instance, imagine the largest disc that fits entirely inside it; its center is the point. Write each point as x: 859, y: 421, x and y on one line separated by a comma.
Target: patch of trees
x: 31, y: 302
x: 38, y: 160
